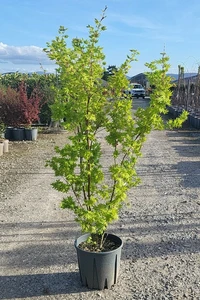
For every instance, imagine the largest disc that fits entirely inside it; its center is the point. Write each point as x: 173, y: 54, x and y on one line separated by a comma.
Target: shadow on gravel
x: 158, y: 218
x: 27, y: 286
x: 184, y: 132
x: 188, y: 137
x: 37, y: 244
x: 39, y: 225
x: 190, y: 150
x: 188, y: 147
x: 174, y: 247
x: 190, y: 173
x: 159, y: 235
x: 36, y: 256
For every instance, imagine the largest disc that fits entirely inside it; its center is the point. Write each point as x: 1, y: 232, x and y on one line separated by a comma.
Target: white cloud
x: 23, y: 55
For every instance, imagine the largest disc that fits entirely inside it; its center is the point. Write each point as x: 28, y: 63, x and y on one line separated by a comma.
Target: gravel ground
x: 160, y: 231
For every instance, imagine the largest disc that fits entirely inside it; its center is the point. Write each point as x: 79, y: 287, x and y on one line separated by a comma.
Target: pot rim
x: 86, y: 235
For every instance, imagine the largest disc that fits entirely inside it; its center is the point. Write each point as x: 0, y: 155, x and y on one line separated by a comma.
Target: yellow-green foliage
x: 88, y: 107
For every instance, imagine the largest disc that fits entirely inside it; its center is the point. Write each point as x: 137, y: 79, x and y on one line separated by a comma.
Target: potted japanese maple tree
x: 100, y: 119
x: 10, y: 113
x: 30, y: 106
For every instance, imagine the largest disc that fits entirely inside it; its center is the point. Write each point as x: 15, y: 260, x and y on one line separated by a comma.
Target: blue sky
x: 145, y: 25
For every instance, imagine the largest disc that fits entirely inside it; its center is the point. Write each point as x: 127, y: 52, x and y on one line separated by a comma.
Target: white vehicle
x: 137, y: 90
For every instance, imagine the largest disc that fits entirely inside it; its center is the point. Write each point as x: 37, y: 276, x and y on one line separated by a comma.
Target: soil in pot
x: 107, y: 244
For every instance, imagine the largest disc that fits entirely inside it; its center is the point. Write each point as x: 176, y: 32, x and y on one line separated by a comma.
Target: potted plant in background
x: 100, y: 119
x: 19, y: 111
x: 11, y: 113
x: 30, y: 110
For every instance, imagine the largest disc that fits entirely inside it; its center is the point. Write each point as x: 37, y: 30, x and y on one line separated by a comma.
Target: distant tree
x: 109, y: 72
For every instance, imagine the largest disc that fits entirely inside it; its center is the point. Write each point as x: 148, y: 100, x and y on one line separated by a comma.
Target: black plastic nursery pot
x: 9, y: 133
x: 31, y: 134
x: 18, y: 134
x: 99, y: 270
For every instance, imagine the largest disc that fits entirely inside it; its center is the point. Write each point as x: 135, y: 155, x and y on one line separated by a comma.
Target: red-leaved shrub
x: 30, y: 105
x: 10, y: 107
x: 16, y: 108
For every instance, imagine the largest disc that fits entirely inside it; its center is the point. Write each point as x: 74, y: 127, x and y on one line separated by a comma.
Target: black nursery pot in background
x: 99, y: 270
x: 31, y: 134
x: 18, y: 134
x: 9, y: 133
x: 21, y: 134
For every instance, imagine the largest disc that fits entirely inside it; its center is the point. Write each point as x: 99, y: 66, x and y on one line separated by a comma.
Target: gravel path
x: 160, y: 231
